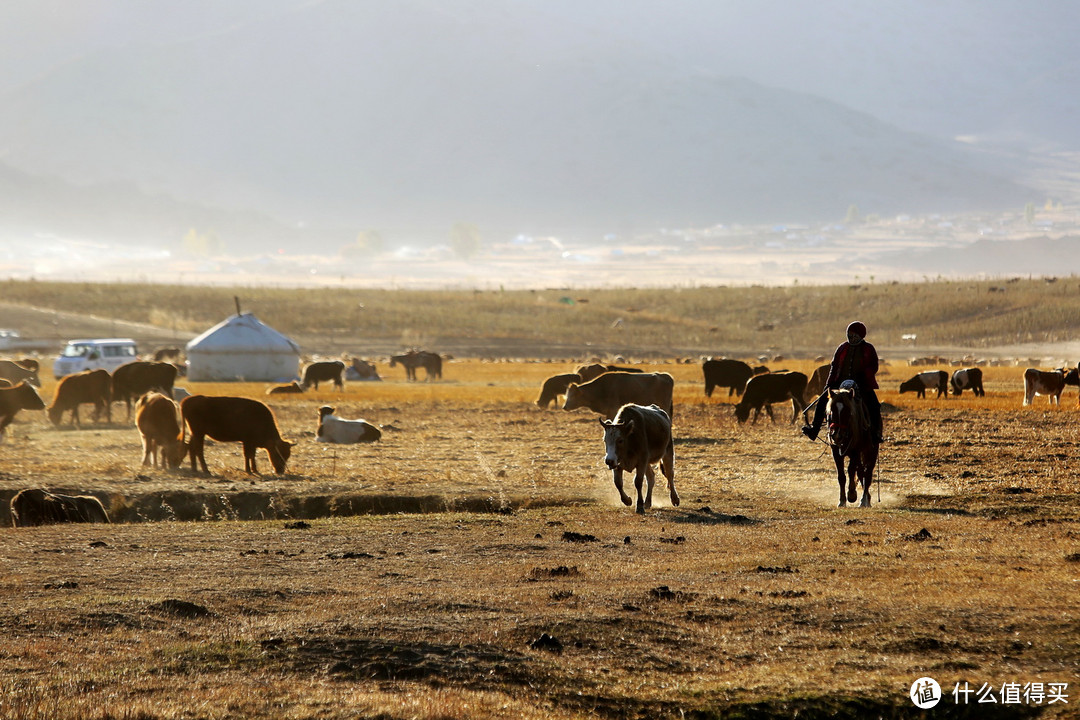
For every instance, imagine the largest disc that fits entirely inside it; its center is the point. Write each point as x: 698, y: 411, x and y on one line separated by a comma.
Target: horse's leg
x: 869, y: 461
x: 853, y: 469
x: 839, y: 460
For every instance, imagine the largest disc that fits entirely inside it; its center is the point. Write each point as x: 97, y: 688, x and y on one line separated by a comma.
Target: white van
x: 107, y: 353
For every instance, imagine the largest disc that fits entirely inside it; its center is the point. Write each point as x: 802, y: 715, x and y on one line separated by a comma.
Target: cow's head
x: 573, y: 397
x: 616, y: 436
x: 742, y: 412
x: 279, y: 455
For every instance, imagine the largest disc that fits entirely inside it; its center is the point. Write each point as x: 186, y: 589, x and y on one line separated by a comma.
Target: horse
x: 851, y: 438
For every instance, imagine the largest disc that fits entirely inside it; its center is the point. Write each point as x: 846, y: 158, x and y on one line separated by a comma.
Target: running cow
x: 929, y: 380
x: 234, y: 419
x: 609, y: 392
x: 1043, y: 382
x: 764, y: 390
x: 637, y: 439
x: 968, y: 379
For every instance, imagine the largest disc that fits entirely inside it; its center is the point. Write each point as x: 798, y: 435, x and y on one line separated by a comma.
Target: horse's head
x: 841, y: 410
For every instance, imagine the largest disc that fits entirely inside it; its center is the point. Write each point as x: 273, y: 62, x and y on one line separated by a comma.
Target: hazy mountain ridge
x: 328, y: 113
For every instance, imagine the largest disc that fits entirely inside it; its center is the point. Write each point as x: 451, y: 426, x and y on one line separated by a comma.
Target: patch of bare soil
x: 477, y: 562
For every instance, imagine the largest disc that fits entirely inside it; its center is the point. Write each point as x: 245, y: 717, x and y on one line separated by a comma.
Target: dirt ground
x: 476, y: 562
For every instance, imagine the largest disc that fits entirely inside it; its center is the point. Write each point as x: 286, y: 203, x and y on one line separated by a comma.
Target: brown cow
x: 764, y: 390
x: 286, y: 389
x: 324, y: 371
x: 13, y: 399
x: 816, y: 384
x: 35, y: 506
x: 413, y: 359
x: 555, y: 386
x: 88, y: 386
x: 725, y: 372
x: 16, y: 372
x: 234, y: 419
x: 166, y: 354
x: 134, y: 379
x: 595, y: 370
x: 157, y: 417
x: 639, y: 438
x: 609, y: 392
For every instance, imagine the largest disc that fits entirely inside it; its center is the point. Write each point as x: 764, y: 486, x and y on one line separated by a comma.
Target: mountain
x: 411, y: 116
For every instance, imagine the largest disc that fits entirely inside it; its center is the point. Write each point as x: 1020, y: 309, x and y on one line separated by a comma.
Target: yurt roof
x: 243, y: 333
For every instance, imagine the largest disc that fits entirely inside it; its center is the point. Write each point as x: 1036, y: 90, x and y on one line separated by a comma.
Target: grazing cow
x: 555, y: 386
x: 234, y: 419
x: 929, y: 380
x: 333, y: 429
x: 362, y: 370
x: 1043, y: 382
x: 413, y: 359
x: 724, y: 372
x: 134, y: 379
x: 16, y: 372
x: 637, y: 439
x: 324, y: 371
x: 609, y: 392
x: 286, y: 389
x: 13, y: 399
x: 157, y: 417
x: 816, y: 384
x: 163, y: 354
x: 35, y: 506
x: 87, y: 386
x: 595, y: 370
x: 969, y: 379
x: 764, y: 390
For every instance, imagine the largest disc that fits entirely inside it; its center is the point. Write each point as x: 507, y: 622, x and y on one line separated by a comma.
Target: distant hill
x: 408, y: 117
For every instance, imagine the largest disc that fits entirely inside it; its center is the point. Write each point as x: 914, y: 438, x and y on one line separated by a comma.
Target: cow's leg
x: 249, y: 459
x: 147, y: 444
x: 639, y: 478
x: 650, y: 478
x: 772, y: 418
x: 75, y: 416
x: 616, y: 475
x: 667, y: 467
x: 195, y: 451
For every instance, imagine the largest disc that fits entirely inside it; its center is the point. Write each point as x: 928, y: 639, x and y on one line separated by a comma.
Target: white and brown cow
x: 333, y: 429
x: 929, y: 380
x: 638, y: 438
x: 1043, y: 382
x: 968, y: 379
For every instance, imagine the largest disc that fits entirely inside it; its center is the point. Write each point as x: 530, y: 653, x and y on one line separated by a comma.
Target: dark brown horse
x: 851, y: 438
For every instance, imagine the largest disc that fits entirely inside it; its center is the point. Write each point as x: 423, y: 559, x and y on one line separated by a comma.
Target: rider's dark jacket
x: 855, y: 362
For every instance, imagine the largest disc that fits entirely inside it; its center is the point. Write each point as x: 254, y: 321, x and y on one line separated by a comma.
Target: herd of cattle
x: 637, y: 409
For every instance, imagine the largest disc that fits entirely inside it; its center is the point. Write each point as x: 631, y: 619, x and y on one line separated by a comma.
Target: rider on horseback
x: 855, y: 360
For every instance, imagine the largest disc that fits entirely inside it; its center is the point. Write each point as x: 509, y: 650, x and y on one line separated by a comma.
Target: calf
x: 13, y: 399
x: 1043, y: 382
x: 724, y: 372
x: 969, y: 379
x: 132, y: 380
x: 286, y: 389
x: 234, y: 419
x: 19, y: 371
x: 638, y: 438
x: 88, y: 386
x: 609, y: 392
x: 333, y: 429
x: 555, y: 386
x: 157, y: 417
x: 931, y: 379
x: 324, y: 371
x: 35, y: 506
x: 764, y: 390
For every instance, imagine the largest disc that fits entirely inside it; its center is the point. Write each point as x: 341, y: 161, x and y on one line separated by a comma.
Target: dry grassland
x: 431, y: 564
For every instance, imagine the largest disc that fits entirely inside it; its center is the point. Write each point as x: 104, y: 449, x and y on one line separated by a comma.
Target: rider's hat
x: 857, y: 328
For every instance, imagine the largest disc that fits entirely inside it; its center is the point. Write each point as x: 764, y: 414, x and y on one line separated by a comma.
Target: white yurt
x: 242, y: 348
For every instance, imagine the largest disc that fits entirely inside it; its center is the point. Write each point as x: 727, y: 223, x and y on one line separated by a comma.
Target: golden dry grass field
x: 430, y: 565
